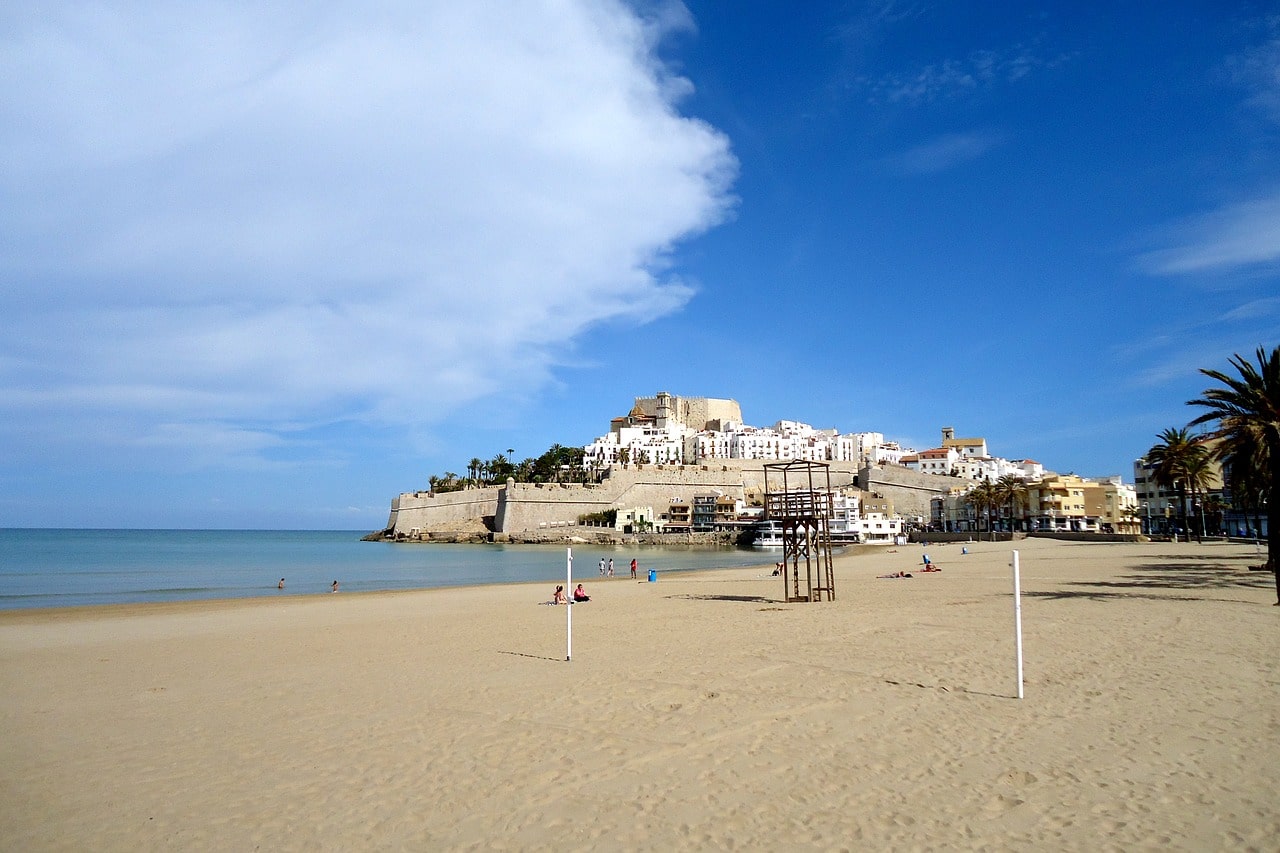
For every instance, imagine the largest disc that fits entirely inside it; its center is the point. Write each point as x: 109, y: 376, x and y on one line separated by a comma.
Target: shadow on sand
x: 1188, y: 573
x: 746, y: 599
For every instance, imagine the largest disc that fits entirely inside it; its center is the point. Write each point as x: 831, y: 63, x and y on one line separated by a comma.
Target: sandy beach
x: 697, y: 712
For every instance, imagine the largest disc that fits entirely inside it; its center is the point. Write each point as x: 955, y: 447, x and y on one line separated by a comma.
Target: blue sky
x: 270, y: 266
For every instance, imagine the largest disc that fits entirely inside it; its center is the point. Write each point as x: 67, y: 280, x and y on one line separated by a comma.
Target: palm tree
x: 983, y: 498
x: 473, y: 468
x: 1199, y: 477
x: 1245, y: 469
x: 1134, y: 516
x: 1247, y: 411
x: 1172, y: 456
x: 1012, y: 491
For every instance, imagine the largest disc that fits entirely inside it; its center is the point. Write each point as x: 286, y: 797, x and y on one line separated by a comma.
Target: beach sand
x: 697, y: 712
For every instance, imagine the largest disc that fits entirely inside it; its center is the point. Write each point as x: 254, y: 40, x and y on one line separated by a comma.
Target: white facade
x: 878, y: 529
x: 645, y: 445
x: 844, y: 514
x: 991, y: 468
x: 940, y: 461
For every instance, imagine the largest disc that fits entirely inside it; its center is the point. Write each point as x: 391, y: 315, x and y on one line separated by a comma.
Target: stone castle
x: 518, y: 509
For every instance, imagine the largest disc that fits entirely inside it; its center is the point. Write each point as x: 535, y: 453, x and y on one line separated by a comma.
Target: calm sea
x: 60, y: 568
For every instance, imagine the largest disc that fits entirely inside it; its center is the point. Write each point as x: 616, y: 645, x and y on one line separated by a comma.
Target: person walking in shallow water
x: 335, y: 587
x: 602, y: 567
x: 611, y: 567
x: 281, y: 584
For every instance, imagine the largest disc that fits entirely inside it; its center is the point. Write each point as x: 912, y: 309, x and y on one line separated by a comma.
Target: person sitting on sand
x: 559, y: 597
x: 580, y: 594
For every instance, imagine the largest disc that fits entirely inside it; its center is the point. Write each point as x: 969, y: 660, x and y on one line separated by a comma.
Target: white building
x: 639, y: 444
x: 875, y: 528
x: 845, y: 517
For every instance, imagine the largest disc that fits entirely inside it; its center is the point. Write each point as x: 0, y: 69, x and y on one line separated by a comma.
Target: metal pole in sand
x: 1017, y: 618
x: 568, y: 605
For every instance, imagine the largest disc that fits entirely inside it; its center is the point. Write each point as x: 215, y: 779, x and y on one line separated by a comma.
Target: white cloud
x: 1235, y: 236
x: 944, y: 152
x: 952, y: 78
x: 295, y: 213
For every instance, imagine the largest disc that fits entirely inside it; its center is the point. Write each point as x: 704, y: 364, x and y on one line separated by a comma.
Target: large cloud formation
x: 222, y: 221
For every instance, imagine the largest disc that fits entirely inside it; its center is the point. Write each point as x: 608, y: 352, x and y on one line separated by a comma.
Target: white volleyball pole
x: 568, y: 605
x: 1017, y: 618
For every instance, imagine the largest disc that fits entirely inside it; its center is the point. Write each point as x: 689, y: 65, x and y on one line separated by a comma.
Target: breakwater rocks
x: 569, y: 535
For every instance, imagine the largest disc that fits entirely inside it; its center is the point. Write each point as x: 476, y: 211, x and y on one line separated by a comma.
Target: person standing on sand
x: 633, y: 568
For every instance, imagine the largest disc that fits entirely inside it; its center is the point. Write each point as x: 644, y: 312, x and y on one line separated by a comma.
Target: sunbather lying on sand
x: 896, y: 575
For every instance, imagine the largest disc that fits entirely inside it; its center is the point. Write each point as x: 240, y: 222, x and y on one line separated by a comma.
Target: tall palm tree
x: 1246, y: 409
x: 1245, y: 468
x: 983, y: 498
x: 1012, y: 491
x: 1199, y: 478
x: 1172, y: 456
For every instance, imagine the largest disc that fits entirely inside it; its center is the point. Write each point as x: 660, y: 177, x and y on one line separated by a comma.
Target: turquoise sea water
x: 61, y: 568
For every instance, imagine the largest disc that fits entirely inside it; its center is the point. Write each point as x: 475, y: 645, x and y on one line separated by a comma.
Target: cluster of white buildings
x: 665, y: 429
x: 656, y: 432
x: 968, y: 458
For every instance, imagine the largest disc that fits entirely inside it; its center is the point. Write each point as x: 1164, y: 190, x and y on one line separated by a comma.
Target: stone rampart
x: 519, y: 507
x: 530, y: 506
x: 909, y: 490
x: 448, y: 511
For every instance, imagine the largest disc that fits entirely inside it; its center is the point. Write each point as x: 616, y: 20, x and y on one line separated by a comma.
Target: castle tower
x: 664, y: 409
x: 948, y: 433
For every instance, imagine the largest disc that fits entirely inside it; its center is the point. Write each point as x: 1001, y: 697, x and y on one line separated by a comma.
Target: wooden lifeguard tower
x: 798, y: 497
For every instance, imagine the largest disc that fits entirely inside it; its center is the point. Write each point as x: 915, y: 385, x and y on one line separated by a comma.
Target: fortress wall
x: 528, y: 506
x: 462, y: 510
x: 909, y: 490
x: 519, y: 507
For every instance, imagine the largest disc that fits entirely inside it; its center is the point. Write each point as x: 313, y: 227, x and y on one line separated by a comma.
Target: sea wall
x: 467, y: 510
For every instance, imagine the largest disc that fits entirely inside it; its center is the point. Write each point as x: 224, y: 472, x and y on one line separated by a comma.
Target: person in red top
x: 580, y: 594
x: 633, y: 567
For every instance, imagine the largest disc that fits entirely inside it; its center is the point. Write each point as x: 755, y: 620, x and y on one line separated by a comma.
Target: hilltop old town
x: 690, y: 466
